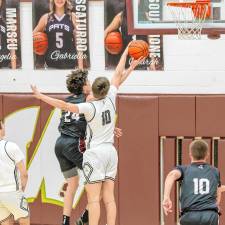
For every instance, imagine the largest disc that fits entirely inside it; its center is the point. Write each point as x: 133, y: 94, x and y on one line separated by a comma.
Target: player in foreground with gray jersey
x: 200, y: 188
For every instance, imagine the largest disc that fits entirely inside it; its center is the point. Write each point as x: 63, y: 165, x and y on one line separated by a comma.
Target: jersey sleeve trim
x: 112, y: 104
x: 8, y: 153
x: 94, y: 112
x: 179, y: 168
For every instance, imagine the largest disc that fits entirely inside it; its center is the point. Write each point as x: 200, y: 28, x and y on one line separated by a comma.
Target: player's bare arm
x: 54, y: 102
x: 121, y: 74
x: 114, y: 25
x: 173, y: 176
x: 220, y: 190
x: 41, y: 24
x: 23, y: 174
x: 127, y: 72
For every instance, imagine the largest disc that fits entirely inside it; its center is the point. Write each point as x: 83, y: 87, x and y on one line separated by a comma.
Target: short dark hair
x: 100, y: 87
x: 76, y: 80
x: 199, y: 149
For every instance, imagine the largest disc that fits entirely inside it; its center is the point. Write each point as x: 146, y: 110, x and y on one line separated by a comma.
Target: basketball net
x: 189, y: 17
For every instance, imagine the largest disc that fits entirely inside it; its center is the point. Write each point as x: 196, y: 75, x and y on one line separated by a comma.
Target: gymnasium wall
x: 190, y: 66
x: 157, y: 130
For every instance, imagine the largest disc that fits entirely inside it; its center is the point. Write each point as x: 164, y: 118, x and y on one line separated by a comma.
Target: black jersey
x: 198, y: 187
x: 5, y: 57
x: 73, y: 124
x: 61, y: 53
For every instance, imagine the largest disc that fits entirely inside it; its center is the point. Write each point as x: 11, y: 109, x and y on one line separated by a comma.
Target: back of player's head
x: 100, y: 87
x: 199, y: 149
x: 76, y: 80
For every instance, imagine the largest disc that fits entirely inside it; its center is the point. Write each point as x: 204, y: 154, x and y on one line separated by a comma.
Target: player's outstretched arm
x: 121, y: 74
x: 133, y: 65
x: 170, y: 179
x: 54, y: 102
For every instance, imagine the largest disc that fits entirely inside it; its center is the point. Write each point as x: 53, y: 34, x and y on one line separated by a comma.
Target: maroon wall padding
x: 210, y: 119
x: 177, y: 115
x: 221, y: 167
x: 138, y: 160
x: 185, y: 151
x: 143, y: 119
x: 169, y: 155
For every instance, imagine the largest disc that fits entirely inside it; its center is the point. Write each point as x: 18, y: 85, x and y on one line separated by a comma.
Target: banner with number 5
x: 60, y: 34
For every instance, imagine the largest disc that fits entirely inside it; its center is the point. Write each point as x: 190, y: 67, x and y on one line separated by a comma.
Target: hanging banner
x: 60, y: 34
x: 116, y: 21
x: 10, y: 48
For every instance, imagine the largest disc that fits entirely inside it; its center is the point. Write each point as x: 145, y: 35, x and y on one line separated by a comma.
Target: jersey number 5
x: 59, y: 39
x: 201, y: 186
x: 106, y: 117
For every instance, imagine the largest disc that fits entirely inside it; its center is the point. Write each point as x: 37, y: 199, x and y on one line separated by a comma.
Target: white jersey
x: 10, y: 155
x: 100, y: 116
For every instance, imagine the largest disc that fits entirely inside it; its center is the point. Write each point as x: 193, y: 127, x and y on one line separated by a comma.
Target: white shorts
x: 100, y: 163
x: 13, y: 204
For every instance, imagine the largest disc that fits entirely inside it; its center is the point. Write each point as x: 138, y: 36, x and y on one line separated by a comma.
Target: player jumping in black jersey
x: 200, y: 186
x: 59, y: 25
x: 71, y: 143
x: 7, y: 57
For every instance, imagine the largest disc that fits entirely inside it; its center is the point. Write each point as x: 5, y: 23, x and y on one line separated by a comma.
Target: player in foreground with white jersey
x: 100, y: 161
x: 13, y: 204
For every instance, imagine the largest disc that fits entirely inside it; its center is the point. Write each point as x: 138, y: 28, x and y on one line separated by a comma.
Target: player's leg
x: 24, y: 221
x: 6, y: 217
x: 108, y: 185
x: 69, y: 195
x: 109, y: 201
x: 16, y: 204
x: 7, y: 221
x: 93, y: 196
x: 93, y: 174
x: 69, y: 170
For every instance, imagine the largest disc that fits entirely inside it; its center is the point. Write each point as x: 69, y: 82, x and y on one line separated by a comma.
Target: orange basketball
x: 40, y: 43
x: 138, y: 48
x: 114, y: 43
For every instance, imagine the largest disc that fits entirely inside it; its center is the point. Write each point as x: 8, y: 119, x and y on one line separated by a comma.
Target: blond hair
x: 67, y: 7
x: 100, y: 87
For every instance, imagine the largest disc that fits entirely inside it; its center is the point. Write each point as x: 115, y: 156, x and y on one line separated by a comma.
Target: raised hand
x: 36, y: 92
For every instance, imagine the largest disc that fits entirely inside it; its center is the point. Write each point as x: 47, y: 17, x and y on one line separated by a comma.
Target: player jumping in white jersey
x: 100, y: 161
x: 13, y: 204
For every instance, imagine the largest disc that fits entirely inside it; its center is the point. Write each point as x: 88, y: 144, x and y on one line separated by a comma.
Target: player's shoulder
x: 45, y: 17
x: 214, y: 169
x: 11, y: 146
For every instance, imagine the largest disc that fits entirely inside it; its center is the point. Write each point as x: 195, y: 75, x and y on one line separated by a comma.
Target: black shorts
x: 206, y: 217
x: 68, y: 151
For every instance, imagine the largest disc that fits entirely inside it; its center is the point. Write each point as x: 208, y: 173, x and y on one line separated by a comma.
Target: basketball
x: 114, y: 43
x: 138, y: 48
x: 40, y: 43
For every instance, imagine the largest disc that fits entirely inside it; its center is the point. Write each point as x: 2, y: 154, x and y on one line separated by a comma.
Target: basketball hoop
x: 189, y: 17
